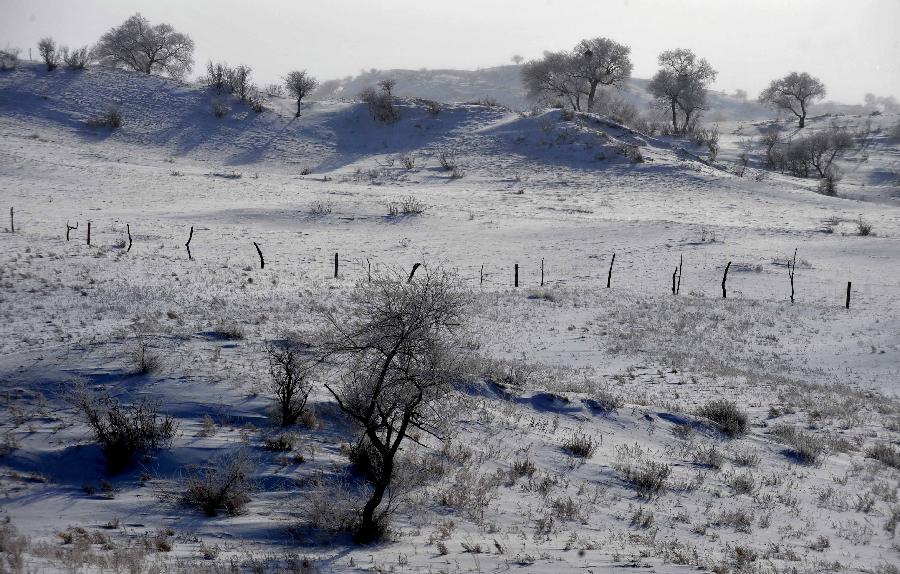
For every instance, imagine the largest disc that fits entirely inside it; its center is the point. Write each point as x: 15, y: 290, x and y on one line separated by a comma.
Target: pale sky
x: 851, y: 45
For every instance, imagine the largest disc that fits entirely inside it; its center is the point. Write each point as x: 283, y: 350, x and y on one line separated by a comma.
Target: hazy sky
x: 852, y: 45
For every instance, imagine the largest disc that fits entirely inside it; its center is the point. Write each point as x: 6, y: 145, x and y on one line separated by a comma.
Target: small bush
x: 647, y: 477
x: 124, y: 432
x: 885, y: 454
x: 607, y: 401
x: 332, y: 506
x: 380, y: 104
x: 746, y: 457
x: 523, y: 467
x: 581, y: 446
x: 77, y: 59
x: 408, y: 162
x: 709, y: 455
x: 110, y: 119
x: 741, y: 483
x: 9, y: 59
x: 220, y: 110
x: 863, y: 227
x: 447, y: 160
x: 431, y: 106
x: 320, y: 208
x: 49, y: 54
x: 806, y: 447
x: 406, y: 206
x: 289, y: 381
x: 283, y: 442
x: 725, y: 416
x: 223, y: 484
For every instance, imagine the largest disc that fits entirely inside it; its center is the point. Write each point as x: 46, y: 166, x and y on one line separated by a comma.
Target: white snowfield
x: 626, y: 367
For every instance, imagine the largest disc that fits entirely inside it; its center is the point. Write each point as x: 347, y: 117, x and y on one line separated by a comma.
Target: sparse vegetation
x: 221, y: 485
x: 125, y: 432
x: 805, y: 447
x: 407, y: 206
x: 289, y: 373
x: 581, y: 446
x: 110, y: 119
x: 726, y: 416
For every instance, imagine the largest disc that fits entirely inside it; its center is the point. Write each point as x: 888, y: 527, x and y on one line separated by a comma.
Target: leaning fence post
x: 262, y: 262
x: 680, y: 271
x: 516, y: 276
x: 609, y: 277
x: 186, y: 245
x: 724, y: 279
x: 849, y: 283
x: 413, y: 272
x: 128, y: 229
x: 369, y: 263
x: 69, y: 228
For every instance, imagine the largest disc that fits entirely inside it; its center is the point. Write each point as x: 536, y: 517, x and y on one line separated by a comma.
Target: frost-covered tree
x: 517, y: 59
x: 299, y: 84
x: 578, y: 74
x: 680, y: 85
x: 47, y: 50
x: 794, y: 93
x: 76, y: 59
x: 600, y: 62
x: 553, y: 78
x: 395, y: 347
x: 138, y: 46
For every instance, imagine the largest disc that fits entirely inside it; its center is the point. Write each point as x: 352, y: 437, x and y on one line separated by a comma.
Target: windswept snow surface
x: 527, y: 188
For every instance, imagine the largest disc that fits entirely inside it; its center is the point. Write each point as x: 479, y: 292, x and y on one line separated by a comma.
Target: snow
x: 534, y: 187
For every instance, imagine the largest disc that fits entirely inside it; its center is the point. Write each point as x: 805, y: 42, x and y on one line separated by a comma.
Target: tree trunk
x: 674, y: 118
x: 298, y: 107
x: 802, y: 114
x: 369, y: 530
x: 591, y: 95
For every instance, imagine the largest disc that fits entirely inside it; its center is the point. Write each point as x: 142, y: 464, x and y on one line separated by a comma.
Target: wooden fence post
x: 369, y: 263
x: 849, y: 283
x: 516, y: 276
x: 12, y: 223
x: 609, y: 277
x: 128, y: 229
x: 413, y: 272
x: 791, y: 270
x: 724, y: 279
x: 69, y: 228
x: 262, y: 262
x: 188, y: 244
x: 481, y: 275
x: 680, y: 271
x: 89, y: 234
x: 335, y: 265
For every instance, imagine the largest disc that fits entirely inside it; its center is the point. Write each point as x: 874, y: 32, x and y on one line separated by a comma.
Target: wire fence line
x: 700, y: 275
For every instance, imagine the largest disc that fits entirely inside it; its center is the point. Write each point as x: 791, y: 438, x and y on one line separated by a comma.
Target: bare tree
x: 387, y: 86
x: 680, y: 85
x: 238, y: 81
x: 289, y: 380
x: 47, y: 50
x: 553, y: 77
x: 794, y: 93
x: 137, y: 45
x: 299, y: 84
x: 600, y: 61
x: 395, y: 349
x: 517, y: 59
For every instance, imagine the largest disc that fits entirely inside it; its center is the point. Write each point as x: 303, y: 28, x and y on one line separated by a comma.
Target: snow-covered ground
x: 528, y: 188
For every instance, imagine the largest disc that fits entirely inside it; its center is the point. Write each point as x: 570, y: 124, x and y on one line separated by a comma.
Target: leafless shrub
x: 220, y: 109
x: 647, y: 477
x: 739, y: 519
x: 237, y: 80
x: 431, y: 106
x: 457, y: 173
x: 642, y: 518
x: 381, y: 105
x: 110, y: 119
x: 274, y: 90
x: 806, y: 447
x: 725, y: 416
x: 709, y: 455
x: 828, y: 184
x: 77, y: 59
x: 863, y: 227
x: 522, y: 467
x: 408, y: 162
x: 581, y: 446
x: 565, y: 508
x: 607, y: 401
x: 407, y: 206
x: 741, y: 483
x: 9, y: 59
x: 320, y: 208
x: 283, y: 442
x: 222, y: 484
x: 885, y: 454
x: 632, y: 152
x: 745, y: 457
x: 47, y: 50
x: 289, y: 380
x: 447, y: 160
x: 332, y: 506
x: 124, y: 432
